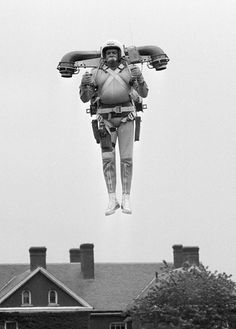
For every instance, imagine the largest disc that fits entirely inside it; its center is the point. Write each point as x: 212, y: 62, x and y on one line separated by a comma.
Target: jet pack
x: 72, y: 62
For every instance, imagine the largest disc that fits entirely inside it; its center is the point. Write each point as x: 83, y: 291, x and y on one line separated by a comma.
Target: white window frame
x: 6, y: 322
x: 22, y: 297
x: 56, y: 295
x: 117, y: 325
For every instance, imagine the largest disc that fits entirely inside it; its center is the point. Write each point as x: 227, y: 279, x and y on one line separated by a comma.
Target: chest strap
x: 113, y: 75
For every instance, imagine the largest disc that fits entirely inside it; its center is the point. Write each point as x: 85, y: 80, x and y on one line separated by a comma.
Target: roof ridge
x: 111, y: 263
x: 127, y: 263
x: 24, y: 264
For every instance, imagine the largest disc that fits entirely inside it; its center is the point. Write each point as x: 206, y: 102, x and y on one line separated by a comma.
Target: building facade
x: 79, y: 294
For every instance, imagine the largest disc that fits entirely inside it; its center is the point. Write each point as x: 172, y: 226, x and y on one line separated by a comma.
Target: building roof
x: 19, y: 280
x: 114, y: 287
x: 13, y: 282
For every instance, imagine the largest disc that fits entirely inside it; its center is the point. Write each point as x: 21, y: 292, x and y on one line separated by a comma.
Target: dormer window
x: 52, y: 297
x: 26, y: 297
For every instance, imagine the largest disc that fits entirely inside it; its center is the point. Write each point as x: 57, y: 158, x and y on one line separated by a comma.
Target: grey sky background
x: 51, y: 182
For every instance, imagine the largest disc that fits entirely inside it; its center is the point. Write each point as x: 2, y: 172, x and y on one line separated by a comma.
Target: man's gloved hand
x: 137, y: 74
x: 87, y: 79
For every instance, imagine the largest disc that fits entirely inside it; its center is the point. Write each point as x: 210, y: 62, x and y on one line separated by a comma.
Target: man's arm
x: 141, y: 88
x: 87, y: 87
x: 139, y: 83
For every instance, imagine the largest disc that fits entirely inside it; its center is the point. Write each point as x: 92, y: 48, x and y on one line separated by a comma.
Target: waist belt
x: 104, y: 106
x: 111, y: 115
x: 116, y: 109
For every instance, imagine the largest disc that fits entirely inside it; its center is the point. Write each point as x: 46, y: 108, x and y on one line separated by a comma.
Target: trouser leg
x: 109, y: 167
x: 126, y: 141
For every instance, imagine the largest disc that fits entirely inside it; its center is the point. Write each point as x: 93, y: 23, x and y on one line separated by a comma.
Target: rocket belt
x: 127, y: 113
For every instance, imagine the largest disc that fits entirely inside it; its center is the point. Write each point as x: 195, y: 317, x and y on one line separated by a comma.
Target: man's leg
x: 126, y: 142
x: 109, y: 170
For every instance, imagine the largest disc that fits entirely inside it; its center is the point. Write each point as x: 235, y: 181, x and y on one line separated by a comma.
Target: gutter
x: 55, y: 309
x: 101, y: 313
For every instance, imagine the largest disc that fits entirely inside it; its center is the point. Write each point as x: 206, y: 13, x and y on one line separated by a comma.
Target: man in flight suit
x: 114, y: 86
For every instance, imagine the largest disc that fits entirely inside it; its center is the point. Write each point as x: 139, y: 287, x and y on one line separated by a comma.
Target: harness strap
x: 109, y: 126
x: 103, y: 122
x: 116, y: 109
x: 113, y: 75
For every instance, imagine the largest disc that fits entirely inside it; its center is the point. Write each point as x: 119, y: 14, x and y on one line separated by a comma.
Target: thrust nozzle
x: 159, y: 62
x: 66, y: 69
x: 155, y: 57
x: 67, y: 65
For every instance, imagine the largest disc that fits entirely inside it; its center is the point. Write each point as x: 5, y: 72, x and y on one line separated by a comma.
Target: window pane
x: 117, y: 325
x: 11, y: 325
x: 52, y: 297
x: 26, y: 297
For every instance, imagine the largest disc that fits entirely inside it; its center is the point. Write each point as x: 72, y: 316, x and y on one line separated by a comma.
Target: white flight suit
x: 113, y: 89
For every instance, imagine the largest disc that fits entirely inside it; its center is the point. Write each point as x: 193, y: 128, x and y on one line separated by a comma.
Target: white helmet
x: 112, y: 44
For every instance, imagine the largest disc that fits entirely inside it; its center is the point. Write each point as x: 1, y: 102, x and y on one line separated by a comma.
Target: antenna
x: 131, y: 34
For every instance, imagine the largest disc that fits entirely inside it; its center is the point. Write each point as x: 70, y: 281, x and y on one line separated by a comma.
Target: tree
x: 190, y: 297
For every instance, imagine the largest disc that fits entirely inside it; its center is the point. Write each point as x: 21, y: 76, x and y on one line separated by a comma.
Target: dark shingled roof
x: 13, y: 282
x: 115, y: 284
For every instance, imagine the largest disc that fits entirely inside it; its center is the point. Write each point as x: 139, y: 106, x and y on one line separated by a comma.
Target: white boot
x: 113, y: 204
x: 125, y: 206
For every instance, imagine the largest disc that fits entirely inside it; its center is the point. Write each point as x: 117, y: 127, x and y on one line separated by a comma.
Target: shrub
x: 190, y: 297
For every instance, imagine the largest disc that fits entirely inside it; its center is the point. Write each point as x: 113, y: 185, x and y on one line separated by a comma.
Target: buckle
x: 131, y: 116
x: 117, y: 109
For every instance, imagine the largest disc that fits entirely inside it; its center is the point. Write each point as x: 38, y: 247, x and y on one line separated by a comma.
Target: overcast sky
x: 184, y: 186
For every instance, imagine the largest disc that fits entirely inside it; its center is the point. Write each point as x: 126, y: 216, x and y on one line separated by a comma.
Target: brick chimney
x: 87, y: 260
x: 191, y: 255
x: 185, y: 254
x: 178, y: 255
x: 37, y: 257
x: 75, y: 255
